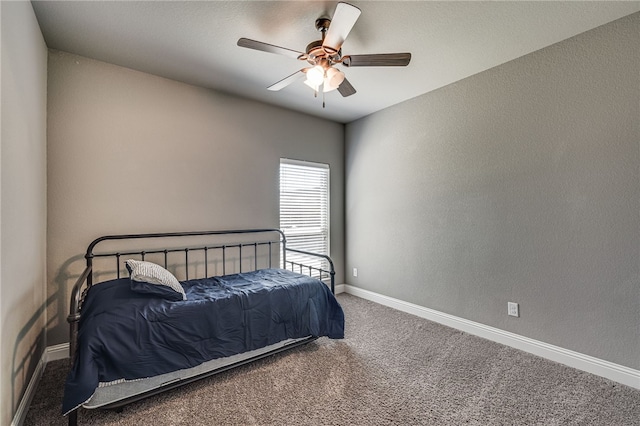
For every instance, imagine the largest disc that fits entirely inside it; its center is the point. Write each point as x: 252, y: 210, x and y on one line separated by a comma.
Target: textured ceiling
x: 195, y: 42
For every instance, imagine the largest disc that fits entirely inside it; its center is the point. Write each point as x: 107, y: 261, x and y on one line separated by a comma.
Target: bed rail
x: 331, y: 271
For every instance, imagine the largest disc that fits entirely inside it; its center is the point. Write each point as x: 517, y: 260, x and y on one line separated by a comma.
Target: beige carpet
x: 392, y: 368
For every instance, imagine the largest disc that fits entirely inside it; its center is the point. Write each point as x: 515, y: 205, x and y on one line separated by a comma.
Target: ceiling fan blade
x: 266, y: 47
x: 344, y: 18
x: 287, y: 80
x: 378, y: 60
x: 346, y: 89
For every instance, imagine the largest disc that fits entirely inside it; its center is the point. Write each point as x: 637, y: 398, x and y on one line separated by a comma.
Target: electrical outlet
x: 513, y: 309
x: 355, y: 272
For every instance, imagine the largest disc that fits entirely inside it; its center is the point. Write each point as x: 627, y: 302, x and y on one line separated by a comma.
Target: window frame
x: 322, y: 168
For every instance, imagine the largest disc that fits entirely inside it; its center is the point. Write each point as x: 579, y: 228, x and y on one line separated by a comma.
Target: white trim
x: 304, y: 163
x: 339, y: 288
x: 57, y: 352
x: 51, y: 353
x: 25, y: 402
x: 618, y: 373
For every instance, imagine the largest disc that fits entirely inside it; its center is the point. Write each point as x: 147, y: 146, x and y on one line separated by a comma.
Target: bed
x: 151, y: 312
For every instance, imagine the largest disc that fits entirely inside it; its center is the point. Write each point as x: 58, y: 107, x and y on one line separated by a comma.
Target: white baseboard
x: 340, y: 288
x: 51, y: 353
x: 57, y: 352
x: 618, y: 373
x: 23, y: 407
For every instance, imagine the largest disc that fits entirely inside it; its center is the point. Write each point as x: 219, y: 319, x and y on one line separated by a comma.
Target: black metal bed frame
x: 85, y: 281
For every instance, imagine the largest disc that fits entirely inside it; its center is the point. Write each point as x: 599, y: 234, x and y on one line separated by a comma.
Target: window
x: 304, y: 209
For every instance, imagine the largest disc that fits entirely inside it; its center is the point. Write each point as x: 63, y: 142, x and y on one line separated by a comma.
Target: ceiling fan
x: 324, y: 54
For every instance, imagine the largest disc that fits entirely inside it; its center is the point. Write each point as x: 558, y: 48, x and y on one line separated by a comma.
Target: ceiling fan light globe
x: 333, y: 80
x: 311, y: 84
x: 316, y: 75
x: 327, y: 88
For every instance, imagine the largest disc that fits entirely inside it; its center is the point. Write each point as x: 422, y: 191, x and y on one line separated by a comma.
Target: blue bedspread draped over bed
x: 128, y: 335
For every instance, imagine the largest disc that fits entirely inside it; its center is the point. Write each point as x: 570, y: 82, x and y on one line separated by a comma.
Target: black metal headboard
x: 245, y: 244
x: 186, y: 249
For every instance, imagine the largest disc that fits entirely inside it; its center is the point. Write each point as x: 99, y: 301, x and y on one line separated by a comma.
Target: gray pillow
x: 160, y: 281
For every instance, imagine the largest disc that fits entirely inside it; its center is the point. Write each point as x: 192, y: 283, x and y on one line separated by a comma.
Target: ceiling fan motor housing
x: 315, y: 53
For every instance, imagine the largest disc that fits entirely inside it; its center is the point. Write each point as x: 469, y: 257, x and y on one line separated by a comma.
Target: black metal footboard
x: 211, y: 252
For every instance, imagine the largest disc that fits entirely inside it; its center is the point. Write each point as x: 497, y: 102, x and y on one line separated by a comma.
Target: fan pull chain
x: 324, y: 79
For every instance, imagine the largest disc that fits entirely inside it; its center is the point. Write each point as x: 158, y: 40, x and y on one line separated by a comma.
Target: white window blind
x: 304, y: 210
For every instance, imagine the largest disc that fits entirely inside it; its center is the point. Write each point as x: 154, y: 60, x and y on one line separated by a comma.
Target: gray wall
x: 132, y: 152
x: 23, y: 202
x: 517, y: 184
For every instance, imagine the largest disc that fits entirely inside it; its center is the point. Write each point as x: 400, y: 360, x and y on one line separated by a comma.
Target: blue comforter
x: 128, y: 335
